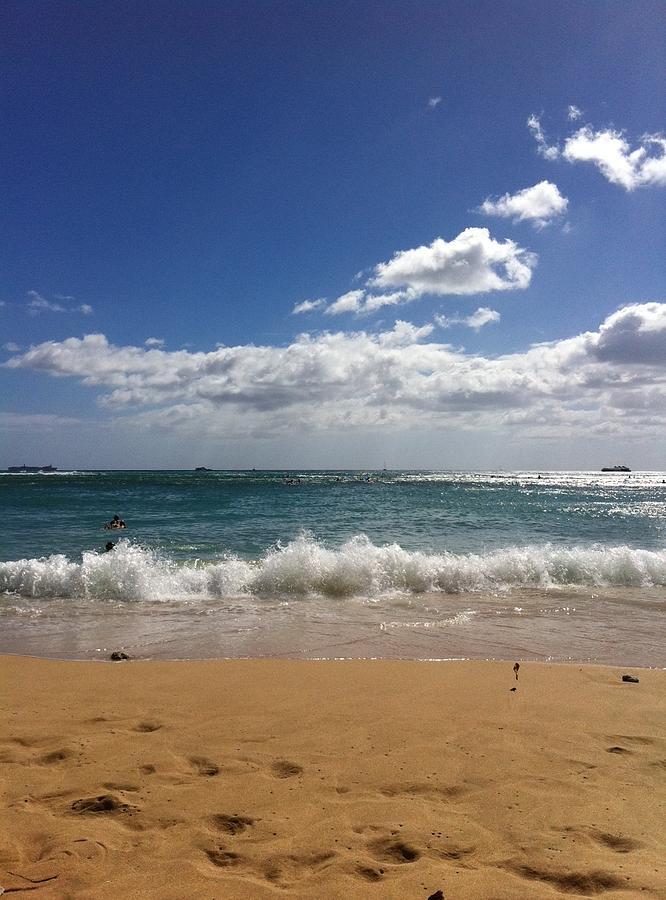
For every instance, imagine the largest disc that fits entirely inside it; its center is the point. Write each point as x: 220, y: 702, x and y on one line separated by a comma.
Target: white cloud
x: 11, y: 347
x: 573, y: 113
x: 612, y: 154
x: 545, y: 149
x: 38, y: 304
x: 433, y: 102
x: 609, y: 150
x: 538, y: 204
x: 154, y: 342
x: 374, y: 302
x: 349, y: 302
x: 635, y: 335
x: 612, y: 380
x: 480, y: 317
x: 307, y: 306
x: 472, y: 263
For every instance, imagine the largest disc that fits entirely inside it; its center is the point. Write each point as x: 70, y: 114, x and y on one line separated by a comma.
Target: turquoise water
x: 190, y: 515
x: 384, y: 563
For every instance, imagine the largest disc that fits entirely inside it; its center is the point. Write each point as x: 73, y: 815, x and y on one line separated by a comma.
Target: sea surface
x: 418, y: 565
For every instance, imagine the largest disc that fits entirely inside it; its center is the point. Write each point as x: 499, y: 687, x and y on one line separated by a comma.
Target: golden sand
x: 357, y: 779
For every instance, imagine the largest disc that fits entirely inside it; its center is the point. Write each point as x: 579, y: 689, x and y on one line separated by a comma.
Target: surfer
x: 116, y: 522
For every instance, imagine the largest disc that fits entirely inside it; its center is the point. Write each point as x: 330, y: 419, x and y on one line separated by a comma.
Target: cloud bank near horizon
x: 610, y: 381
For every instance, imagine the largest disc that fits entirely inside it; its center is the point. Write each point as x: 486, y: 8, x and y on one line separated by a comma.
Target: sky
x: 333, y: 234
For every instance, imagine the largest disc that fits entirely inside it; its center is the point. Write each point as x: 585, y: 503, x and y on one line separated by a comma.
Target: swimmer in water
x: 109, y: 546
x: 116, y: 522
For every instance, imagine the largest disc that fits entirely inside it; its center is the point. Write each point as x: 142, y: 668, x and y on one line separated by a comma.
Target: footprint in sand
x: 450, y: 792
x: 203, y: 766
x: 55, y: 756
x: 282, y: 768
x: 393, y: 851
x: 120, y: 786
x: 221, y: 857
x: 230, y: 824
x: 148, y: 727
x: 369, y: 873
x: 594, y: 882
x: 286, y: 870
x: 616, y: 842
x: 104, y: 803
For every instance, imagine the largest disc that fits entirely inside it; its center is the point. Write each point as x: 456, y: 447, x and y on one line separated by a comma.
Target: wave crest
x: 305, y: 566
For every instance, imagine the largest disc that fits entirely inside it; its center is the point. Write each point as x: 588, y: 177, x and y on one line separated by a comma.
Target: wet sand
x: 357, y: 779
x: 609, y: 626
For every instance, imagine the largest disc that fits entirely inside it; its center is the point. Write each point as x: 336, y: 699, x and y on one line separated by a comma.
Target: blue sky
x: 189, y: 174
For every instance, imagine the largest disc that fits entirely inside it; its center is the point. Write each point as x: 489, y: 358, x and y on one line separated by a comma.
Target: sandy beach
x: 357, y: 779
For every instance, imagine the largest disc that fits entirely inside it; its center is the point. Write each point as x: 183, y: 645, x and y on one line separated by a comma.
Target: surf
x: 306, y: 566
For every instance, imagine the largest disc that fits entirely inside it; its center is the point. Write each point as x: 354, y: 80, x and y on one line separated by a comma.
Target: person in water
x: 109, y: 546
x: 116, y: 522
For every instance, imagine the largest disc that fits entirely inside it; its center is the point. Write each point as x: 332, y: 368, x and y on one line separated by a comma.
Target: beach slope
x: 356, y: 779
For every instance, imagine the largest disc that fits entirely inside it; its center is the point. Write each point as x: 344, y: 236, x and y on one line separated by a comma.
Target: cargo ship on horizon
x: 34, y: 469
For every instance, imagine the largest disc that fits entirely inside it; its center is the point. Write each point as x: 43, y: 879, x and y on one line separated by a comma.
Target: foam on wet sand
x: 386, y: 779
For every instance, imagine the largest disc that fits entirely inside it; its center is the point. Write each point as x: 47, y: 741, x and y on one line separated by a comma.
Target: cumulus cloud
x: 635, y: 335
x: 612, y: 154
x: 610, y: 151
x: 307, y: 306
x: 480, y: 317
x: 433, y: 102
x: 538, y: 204
x: 573, y: 113
x: 349, y: 302
x: 612, y: 380
x: 11, y: 347
x: 154, y: 342
x: 472, y: 263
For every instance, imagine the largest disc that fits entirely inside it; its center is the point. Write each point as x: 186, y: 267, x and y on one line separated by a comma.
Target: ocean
x: 391, y: 564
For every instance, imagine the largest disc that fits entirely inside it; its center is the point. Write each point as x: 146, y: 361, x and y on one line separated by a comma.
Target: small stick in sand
x: 515, y: 669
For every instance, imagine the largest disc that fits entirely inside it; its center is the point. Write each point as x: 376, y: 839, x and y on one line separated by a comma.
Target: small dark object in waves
x: 438, y: 895
x: 118, y: 655
x: 631, y: 678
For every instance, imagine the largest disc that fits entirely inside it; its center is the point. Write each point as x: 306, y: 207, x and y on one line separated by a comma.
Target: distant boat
x: 202, y: 469
x: 25, y: 468
x: 616, y: 469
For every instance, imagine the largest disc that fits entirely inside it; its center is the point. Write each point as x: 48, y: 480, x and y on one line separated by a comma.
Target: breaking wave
x: 305, y: 566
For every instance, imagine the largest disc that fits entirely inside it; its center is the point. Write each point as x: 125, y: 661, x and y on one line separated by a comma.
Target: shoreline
x: 524, y: 660
x: 592, y: 627
x: 258, y: 778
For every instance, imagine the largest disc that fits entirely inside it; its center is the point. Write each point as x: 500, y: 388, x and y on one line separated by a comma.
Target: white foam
x: 305, y: 566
